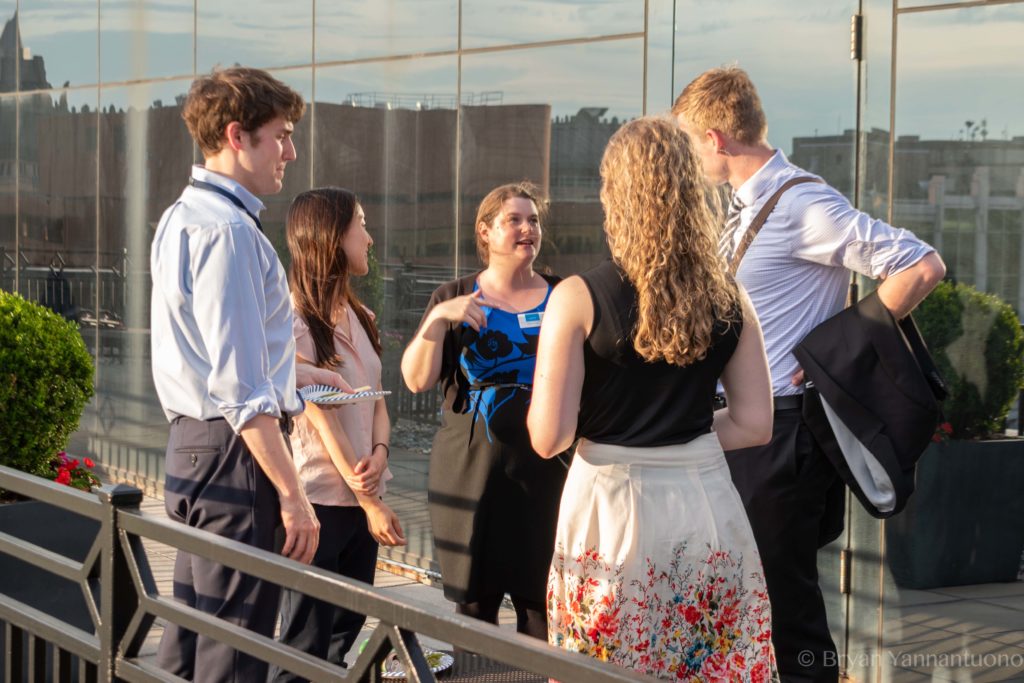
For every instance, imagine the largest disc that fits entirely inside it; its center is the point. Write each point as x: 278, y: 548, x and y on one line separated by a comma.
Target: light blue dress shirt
x: 221, y: 314
x: 796, y: 270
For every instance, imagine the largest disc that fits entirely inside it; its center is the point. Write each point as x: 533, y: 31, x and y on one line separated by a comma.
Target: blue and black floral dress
x: 493, y: 501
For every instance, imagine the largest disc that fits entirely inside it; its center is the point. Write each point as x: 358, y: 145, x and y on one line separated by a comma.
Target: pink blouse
x: 360, y: 366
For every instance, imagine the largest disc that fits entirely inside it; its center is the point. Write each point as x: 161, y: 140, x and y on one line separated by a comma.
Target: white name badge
x: 528, y: 320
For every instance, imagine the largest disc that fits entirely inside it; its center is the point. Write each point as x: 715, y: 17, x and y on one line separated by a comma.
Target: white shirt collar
x: 251, y: 201
x: 757, y: 184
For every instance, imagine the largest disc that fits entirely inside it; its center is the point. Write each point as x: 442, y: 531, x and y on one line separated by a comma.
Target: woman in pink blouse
x: 340, y: 454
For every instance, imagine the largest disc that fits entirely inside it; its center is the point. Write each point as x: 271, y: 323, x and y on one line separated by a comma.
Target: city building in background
x: 422, y: 106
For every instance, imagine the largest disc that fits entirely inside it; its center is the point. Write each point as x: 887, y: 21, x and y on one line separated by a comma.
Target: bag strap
x: 930, y: 371
x: 762, y: 217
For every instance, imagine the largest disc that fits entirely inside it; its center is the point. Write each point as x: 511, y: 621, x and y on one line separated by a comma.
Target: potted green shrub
x: 46, y: 378
x: 45, y: 382
x: 965, y: 522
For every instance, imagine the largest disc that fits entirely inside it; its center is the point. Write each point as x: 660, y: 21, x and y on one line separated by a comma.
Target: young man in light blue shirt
x: 224, y: 364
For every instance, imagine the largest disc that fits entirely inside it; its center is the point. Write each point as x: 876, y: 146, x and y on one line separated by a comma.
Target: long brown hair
x: 663, y: 233
x: 317, y: 222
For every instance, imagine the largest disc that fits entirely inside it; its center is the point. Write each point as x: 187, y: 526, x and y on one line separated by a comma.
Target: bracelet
x: 387, y: 451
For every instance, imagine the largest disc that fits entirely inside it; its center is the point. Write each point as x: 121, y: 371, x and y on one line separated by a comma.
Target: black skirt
x: 493, y: 504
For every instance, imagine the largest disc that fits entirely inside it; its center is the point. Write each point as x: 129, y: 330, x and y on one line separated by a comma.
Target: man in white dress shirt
x: 796, y: 272
x: 224, y: 364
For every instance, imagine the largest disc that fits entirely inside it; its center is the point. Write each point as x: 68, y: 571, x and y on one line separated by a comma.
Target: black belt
x: 287, y: 422
x: 500, y: 385
x: 790, y: 402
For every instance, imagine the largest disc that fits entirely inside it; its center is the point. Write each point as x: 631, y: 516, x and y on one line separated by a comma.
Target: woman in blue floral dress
x: 655, y: 566
x: 493, y: 501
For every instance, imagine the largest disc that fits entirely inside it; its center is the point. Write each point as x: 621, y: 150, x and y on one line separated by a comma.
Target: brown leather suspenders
x: 761, y: 217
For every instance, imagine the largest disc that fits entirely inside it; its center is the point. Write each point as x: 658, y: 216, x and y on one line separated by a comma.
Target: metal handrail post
x: 116, y: 607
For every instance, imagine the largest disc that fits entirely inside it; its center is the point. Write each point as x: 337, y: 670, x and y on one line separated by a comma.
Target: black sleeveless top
x: 626, y: 400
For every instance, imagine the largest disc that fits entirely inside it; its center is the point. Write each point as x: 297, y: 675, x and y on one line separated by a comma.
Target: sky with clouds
x: 952, y: 66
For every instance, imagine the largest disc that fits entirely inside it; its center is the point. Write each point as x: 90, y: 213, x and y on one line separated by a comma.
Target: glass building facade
x: 422, y: 106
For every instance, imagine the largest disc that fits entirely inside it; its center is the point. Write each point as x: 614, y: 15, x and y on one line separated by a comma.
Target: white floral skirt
x: 655, y: 566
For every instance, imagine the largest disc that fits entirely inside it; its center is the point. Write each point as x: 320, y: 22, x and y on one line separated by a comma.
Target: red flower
x: 692, y: 615
x: 68, y: 471
x: 760, y: 673
x: 715, y: 667
x: 943, y: 432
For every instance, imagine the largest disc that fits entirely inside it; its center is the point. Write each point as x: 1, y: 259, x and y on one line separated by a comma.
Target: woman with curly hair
x: 493, y: 502
x: 655, y: 566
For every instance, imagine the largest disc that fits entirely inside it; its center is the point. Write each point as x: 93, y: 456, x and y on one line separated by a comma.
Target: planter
x: 964, y: 524
x: 56, y: 530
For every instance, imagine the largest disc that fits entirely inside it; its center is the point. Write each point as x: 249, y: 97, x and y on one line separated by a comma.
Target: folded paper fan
x: 323, y: 394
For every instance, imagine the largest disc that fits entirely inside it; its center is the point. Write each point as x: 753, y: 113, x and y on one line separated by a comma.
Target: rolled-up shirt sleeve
x: 229, y: 305
x: 834, y: 233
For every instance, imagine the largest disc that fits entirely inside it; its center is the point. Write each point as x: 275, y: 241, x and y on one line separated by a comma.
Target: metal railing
x: 123, y: 602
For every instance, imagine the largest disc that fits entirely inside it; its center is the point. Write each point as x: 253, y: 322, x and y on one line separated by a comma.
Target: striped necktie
x: 727, y: 242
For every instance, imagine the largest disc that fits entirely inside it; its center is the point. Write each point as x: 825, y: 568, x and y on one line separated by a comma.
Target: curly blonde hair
x: 662, y: 231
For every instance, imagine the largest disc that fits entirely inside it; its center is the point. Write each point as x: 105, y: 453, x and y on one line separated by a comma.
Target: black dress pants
x: 788, y: 489
x: 213, y: 483
x: 318, y: 627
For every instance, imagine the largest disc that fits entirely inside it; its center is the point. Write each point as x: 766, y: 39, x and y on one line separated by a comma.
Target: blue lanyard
x: 210, y: 187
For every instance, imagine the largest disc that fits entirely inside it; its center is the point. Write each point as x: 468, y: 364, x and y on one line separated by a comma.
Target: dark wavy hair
x: 317, y: 222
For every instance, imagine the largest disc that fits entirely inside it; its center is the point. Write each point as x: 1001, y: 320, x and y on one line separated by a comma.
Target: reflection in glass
x: 8, y: 192
x: 387, y: 132
x: 959, y: 176
x: 874, y: 136
x: 923, y: 3
x: 661, y: 91
x: 558, y: 107
x: 145, y: 154
x: 959, y: 184
x: 141, y: 39
x: 297, y: 173
x: 486, y: 23
x: 372, y: 29
x: 798, y: 55
x: 267, y: 34
x: 10, y: 49
x: 57, y: 206
x: 862, y: 605
x: 58, y: 41
x: 57, y: 195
